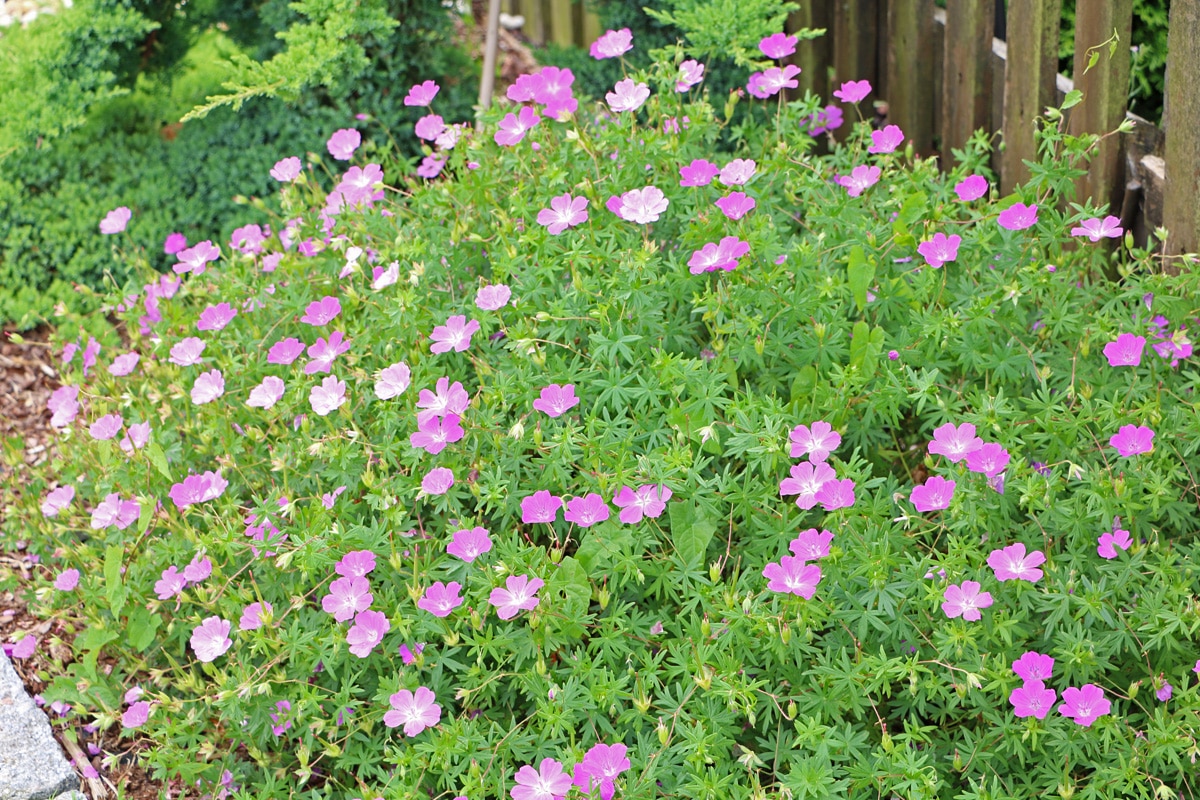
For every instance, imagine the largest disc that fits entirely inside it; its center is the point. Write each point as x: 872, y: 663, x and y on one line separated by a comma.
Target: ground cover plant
x: 594, y: 460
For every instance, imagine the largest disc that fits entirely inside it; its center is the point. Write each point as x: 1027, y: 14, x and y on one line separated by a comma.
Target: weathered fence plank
x: 1181, y: 119
x: 1028, y: 82
x: 855, y: 46
x: 966, y: 72
x: 1105, y: 88
x: 562, y: 25
x: 812, y: 56
x: 910, y: 70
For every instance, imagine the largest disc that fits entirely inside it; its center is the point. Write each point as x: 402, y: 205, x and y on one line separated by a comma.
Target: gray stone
x: 32, y: 765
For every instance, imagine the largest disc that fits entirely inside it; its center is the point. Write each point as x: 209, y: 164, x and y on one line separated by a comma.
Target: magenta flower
x: 1133, y: 440
x: 57, y: 500
x: 971, y: 188
x: 933, y: 495
x: 514, y: 126
x: 323, y: 351
x: 434, y: 433
x: 1097, y: 229
x: 115, y: 220
x: 1108, y: 543
x: 383, y: 277
x: 1085, y: 705
x: 990, y: 459
x: 586, y: 511
x: 282, y: 712
x: 1032, y: 699
x: 343, y: 143
x: 777, y: 45
x: 347, y: 597
x: 1018, y: 217
x: 437, y: 481
x: 811, y: 545
x: 170, y: 584
x: 320, y: 312
x: 252, y: 616
x: 643, y: 206
x: 448, y: 399
x: 440, y: 599
x: 187, y: 352
x: 200, y: 569
x: 283, y: 352
x: 267, y: 393
x: 940, y: 249
x: 816, y: 442
x: 408, y: 656
x: 249, y: 239
x: 519, y: 594
x: 698, y: 173
x: 772, y: 81
x: 195, y: 259
x: 691, y: 72
x: 136, y: 437
x: 859, y: 180
x: 1012, y: 564
x: 612, y: 44
x: 599, y: 768
x: 627, y: 95
x: 469, y: 543
x: 965, y: 601
x: 1164, y: 692
x: 736, y: 205
x: 718, y: 256
x: 1034, y: 666
x: 67, y: 580
x: 106, y: 427
x: 431, y: 167
x: 393, y: 381
x: 649, y: 500
x: 955, y: 442
x: 26, y: 647
x: 737, y: 172
x: 806, y: 481
x: 853, y: 91
x: 174, y: 243
x: 210, y: 639
x: 214, y: 318
x: 454, y: 335
x: 368, y: 630
x: 416, y: 711
x: 886, y: 140
x: 361, y: 185
x: 835, y: 494
x: 328, y: 499
x: 792, y: 575
x: 496, y: 296
x: 286, y: 170
x: 827, y: 119
x: 421, y: 94
x: 355, y: 564
x: 556, y: 400
x: 123, y: 365
x: 136, y: 715
x: 327, y: 397
x: 1125, y: 350
x: 564, y: 212
x: 540, y: 506
x: 198, y: 489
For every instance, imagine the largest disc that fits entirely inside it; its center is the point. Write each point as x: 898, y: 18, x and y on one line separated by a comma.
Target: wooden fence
x: 944, y: 75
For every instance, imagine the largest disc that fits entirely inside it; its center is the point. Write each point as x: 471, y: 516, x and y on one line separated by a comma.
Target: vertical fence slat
x: 1105, y: 88
x: 561, y: 27
x: 591, y: 27
x: 812, y: 56
x: 1181, y: 118
x: 855, y: 43
x: 910, y: 70
x: 1028, y: 81
x: 966, y: 72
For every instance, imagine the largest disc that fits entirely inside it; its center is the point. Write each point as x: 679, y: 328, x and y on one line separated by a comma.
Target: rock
x: 32, y: 765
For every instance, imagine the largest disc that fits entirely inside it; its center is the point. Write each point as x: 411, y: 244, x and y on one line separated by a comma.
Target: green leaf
x: 804, y: 384
x: 690, y: 531
x: 145, y: 515
x: 158, y: 458
x: 860, y: 273
x: 1073, y: 98
x: 142, y: 628
x: 602, y: 544
x: 114, y: 588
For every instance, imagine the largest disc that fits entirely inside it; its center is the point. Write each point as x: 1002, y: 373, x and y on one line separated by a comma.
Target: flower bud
x: 663, y: 734
x: 791, y: 709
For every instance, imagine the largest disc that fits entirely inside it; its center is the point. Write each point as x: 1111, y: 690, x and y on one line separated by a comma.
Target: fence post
x: 1105, y: 88
x: 910, y: 71
x: 812, y: 56
x: 1028, y: 82
x: 855, y: 44
x: 1181, y: 118
x: 967, y: 72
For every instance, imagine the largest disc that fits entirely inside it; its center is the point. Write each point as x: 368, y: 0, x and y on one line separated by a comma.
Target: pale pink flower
x: 343, y: 143
x: 940, y: 249
x: 547, y: 782
x: 252, y: 616
x: 106, y: 427
x: 643, y: 206
x: 1018, y: 217
x: 556, y: 400
x: 215, y: 318
x: 196, y: 258
x: 648, y: 500
x: 721, y: 255
x: 286, y: 170
x: 497, y: 295
x: 210, y: 639
x: 383, y: 277
x: 323, y: 351
x: 355, y: 564
x: 519, y: 594
x: 437, y: 481
x: 327, y: 397
x: 816, y: 441
x: 612, y: 44
x: 691, y: 72
x: 778, y: 45
x: 955, y: 442
x: 187, y: 352
x: 136, y: 437
x: 200, y: 569
x: 447, y: 399
x: 860, y: 179
x: 208, y: 386
x: 57, y: 500
x: 737, y: 172
x: 421, y: 94
x: 67, y: 580
x: 63, y: 405
x: 792, y: 575
x: 367, y: 631
x: 115, y: 220
x: 514, y: 126
x: 267, y: 393
x: 853, y: 91
x: 564, y: 212
x: 440, y: 598
x: 285, y: 351
x: 454, y: 335
x: 1097, y: 229
x: 933, y: 495
x: 586, y: 511
x: 971, y: 188
x: 393, y: 381
x: 1133, y: 440
x: 416, y: 711
x: 469, y: 544
x: 965, y: 601
x: 136, y: 715
x: 198, y: 489
x: 1125, y: 350
x: 123, y: 365
x: 1013, y: 564
x: 26, y: 647
x: 627, y: 95
x: 431, y: 166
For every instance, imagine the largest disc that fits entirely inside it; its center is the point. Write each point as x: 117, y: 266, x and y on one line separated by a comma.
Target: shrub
x: 841, y: 445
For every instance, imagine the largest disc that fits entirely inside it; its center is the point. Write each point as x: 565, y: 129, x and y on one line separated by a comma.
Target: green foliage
x: 725, y: 29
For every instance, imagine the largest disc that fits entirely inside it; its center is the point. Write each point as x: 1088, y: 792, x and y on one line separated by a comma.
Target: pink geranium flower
x: 806, y: 481
x: 836, y: 494
x: 811, y: 545
x: 285, y: 351
x: 612, y: 44
x: 136, y: 437
x: 186, y: 353
x: 1018, y: 217
x: 991, y: 459
x: 286, y: 170
x: 965, y: 601
x: 136, y: 715
x: 1097, y: 229
x: 440, y: 599
x: 721, y: 255
x: 971, y: 188
x: 63, y: 406
x: 933, y: 495
x: 540, y: 506
x: 853, y: 91
x: 195, y: 259
x: 123, y: 365
x: 648, y: 500
x: 547, y: 782
x: 421, y: 94
x: 210, y: 639
x: 327, y: 397
x: 1108, y: 543
x: 886, y: 140
x: 1013, y: 564
x: 252, y: 616
x: 737, y: 172
x: 393, y: 381
x: 792, y: 575
x: 691, y: 72
x: 955, y: 442
x: 469, y: 544
x: 736, y: 205
x: 816, y: 441
x: 215, y: 318
x: 115, y: 220
x: 627, y: 95
x: 416, y: 711
x: 698, y: 173
x: 57, y: 500
x: 321, y: 312
x: 198, y: 489
x: 367, y: 631
x: 323, y: 351
x: 556, y: 400
x: 599, y: 768
x: 642, y: 206
x: 200, y: 569
x: 249, y: 239
x: 1034, y: 666
x: 383, y: 277
x: 1133, y: 440
x: 431, y: 167
x: 564, y: 212
x: 777, y: 45
x: 586, y: 511
x: 859, y: 180
x: 496, y: 296
x: 519, y: 594
x: 775, y: 79
x: 1085, y: 705
x: 1125, y: 350
x: 454, y: 335
x: 437, y: 481
x: 343, y: 143
x: 106, y: 427
x: 434, y: 433
x: 208, y: 386
x: 940, y: 249
x: 355, y: 564
x: 1032, y: 699
x: 514, y: 126
x: 67, y: 580
x: 267, y: 393
x: 447, y: 399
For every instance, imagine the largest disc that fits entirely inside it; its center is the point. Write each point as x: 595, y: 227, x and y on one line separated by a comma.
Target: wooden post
x: 488, y: 78
x: 1028, y: 82
x: 855, y: 43
x: 966, y: 72
x: 812, y: 56
x: 1105, y: 88
x: 910, y: 71
x: 1181, y: 118
x: 562, y: 25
